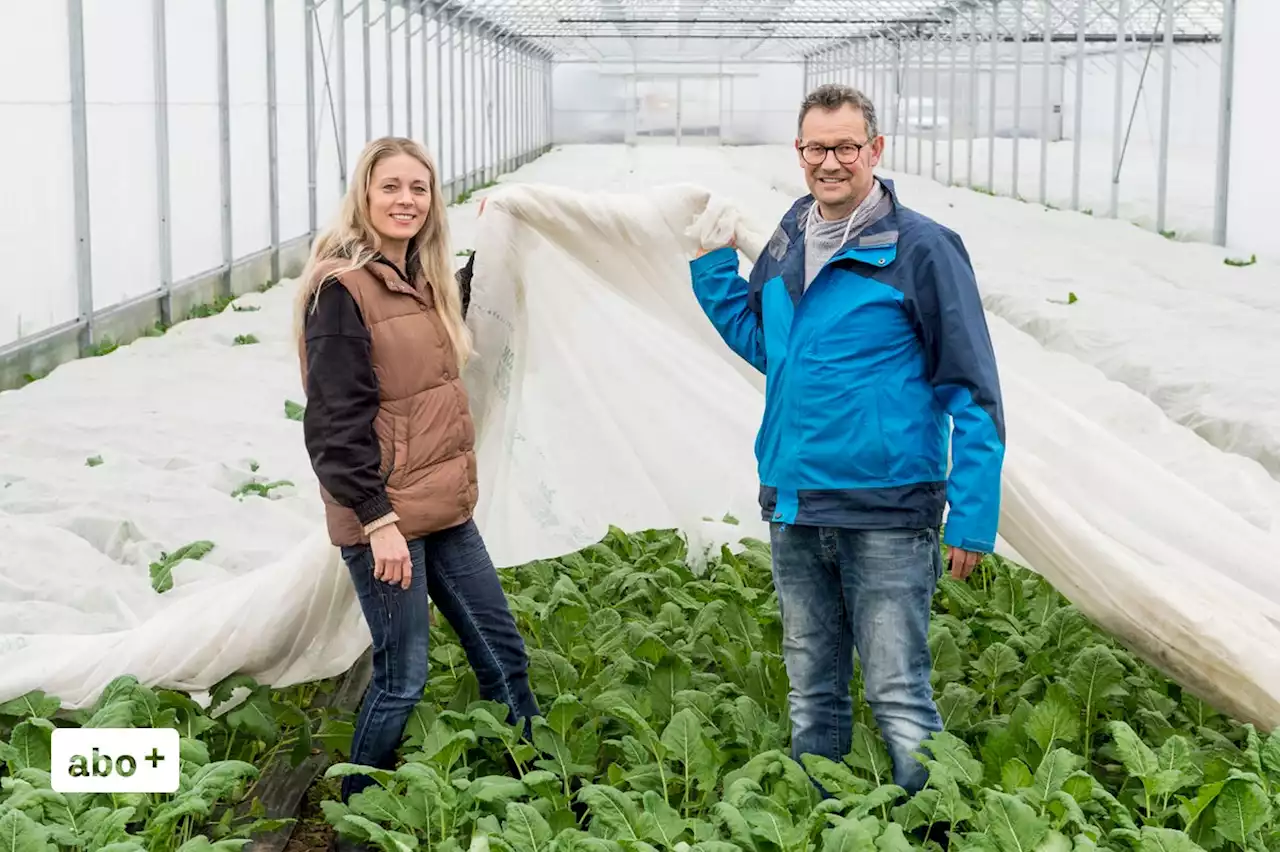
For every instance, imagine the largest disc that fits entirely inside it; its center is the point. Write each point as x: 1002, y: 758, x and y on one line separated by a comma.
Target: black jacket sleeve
x: 342, y: 402
x: 463, y: 277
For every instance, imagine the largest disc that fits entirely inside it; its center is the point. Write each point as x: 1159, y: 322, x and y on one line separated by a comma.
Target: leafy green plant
x: 293, y: 410
x: 260, y: 489
x: 105, y: 346
x: 665, y: 697
x: 665, y: 728
x: 209, y: 309
x: 93, y: 461
x: 1232, y: 261
x: 245, y: 340
x: 162, y: 569
x: 220, y: 760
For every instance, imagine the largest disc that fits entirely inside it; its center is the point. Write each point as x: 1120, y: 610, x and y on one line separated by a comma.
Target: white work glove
x: 716, y: 227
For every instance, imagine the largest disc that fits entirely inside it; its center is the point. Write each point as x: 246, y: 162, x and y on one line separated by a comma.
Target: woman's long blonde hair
x: 351, y: 242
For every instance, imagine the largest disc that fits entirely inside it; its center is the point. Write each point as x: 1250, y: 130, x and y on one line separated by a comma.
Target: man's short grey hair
x: 832, y: 96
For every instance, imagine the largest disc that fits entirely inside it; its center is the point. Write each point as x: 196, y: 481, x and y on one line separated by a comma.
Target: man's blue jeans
x: 841, y: 589
x: 454, y: 567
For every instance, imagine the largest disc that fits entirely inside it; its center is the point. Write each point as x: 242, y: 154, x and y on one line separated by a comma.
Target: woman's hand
x: 391, y: 562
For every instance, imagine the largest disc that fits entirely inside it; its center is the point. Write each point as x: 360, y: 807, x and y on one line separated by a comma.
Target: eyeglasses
x: 846, y: 153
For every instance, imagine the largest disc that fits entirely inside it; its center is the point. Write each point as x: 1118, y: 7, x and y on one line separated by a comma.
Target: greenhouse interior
x: 640, y: 425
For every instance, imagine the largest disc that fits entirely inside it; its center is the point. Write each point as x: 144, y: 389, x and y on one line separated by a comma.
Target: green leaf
x: 1139, y: 760
x: 956, y: 705
x: 31, y: 746
x: 1013, y: 824
x: 526, y: 829
x: 613, y: 810
x: 256, y: 715
x: 1166, y: 840
x: 869, y: 754
x: 1241, y: 809
x: 660, y: 823
x: 683, y: 740
x: 497, y: 788
x: 848, y: 836
x: 1095, y: 675
x: 892, y: 839
x: 162, y: 569
x: 35, y: 703
x: 997, y: 661
x: 951, y: 751
x: 1014, y: 776
x: 1056, y: 719
x: 1057, y: 766
x: 20, y: 833
x: 834, y: 777
x: 201, y: 843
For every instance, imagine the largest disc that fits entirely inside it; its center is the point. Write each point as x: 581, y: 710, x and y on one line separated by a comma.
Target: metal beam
x: 80, y: 173
x: 1222, y: 185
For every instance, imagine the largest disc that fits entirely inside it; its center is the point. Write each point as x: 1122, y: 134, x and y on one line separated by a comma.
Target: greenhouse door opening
x: 676, y: 110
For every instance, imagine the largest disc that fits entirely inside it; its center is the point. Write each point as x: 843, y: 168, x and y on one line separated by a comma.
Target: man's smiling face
x: 843, y: 177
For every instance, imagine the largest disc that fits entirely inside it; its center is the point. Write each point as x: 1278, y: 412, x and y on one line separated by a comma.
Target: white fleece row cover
x: 602, y: 396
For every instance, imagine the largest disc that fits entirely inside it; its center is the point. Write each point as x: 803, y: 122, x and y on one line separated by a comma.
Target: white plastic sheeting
x: 602, y: 397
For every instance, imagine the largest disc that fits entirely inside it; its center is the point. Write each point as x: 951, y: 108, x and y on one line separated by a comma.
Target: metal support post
x: 461, y: 64
x: 389, y: 63
x: 273, y: 143
x: 991, y: 106
x: 1117, y: 148
x: 1077, y: 131
x: 224, y: 142
x: 426, y: 86
x: 1222, y: 187
x: 1046, y: 111
x: 408, y: 72
x: 310, y: 53
x: 340, y: 48
x: 440, y: 95
x: 1017, y: 94
x: 160, y: 71
x: 973, y: 92
x: 368, y: 68
x: 937, y: 92
x: 1166, y: 101
x: 951, y: 102
x: 80, y: 173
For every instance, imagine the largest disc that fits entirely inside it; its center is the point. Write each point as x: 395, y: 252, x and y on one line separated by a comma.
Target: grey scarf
x: 822, y: 238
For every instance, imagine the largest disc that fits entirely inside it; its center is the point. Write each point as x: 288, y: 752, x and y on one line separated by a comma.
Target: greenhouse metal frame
x: 503, y: 53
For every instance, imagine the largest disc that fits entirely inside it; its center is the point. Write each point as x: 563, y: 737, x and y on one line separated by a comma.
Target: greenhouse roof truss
x: 803, y: 29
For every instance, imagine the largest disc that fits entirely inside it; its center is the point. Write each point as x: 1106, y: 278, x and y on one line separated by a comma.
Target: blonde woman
x: 382, y: 340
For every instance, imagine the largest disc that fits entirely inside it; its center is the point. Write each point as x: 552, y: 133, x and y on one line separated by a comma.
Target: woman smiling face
x: 399, y: 199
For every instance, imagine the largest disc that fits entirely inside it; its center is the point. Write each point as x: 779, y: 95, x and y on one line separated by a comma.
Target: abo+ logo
x: 115, y: 760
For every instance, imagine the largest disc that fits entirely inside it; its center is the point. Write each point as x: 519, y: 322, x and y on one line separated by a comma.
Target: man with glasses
x: 866, y: 319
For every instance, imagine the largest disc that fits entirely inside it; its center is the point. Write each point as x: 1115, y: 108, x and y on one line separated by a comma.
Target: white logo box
x: 115, y: 760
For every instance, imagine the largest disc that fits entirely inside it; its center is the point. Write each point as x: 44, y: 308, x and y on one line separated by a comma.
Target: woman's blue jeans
x: 453, y: 567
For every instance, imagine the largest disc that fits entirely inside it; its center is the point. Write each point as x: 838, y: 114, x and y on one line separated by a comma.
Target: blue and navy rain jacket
x: 868, y: 371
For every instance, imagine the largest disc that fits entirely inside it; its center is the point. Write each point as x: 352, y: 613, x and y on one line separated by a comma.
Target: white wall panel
x: 195, y: 192
x: 291, y: 111
x: 37, y: 219
x: 1254, y: 210
x: 250, y: 154
x: 120, y: 107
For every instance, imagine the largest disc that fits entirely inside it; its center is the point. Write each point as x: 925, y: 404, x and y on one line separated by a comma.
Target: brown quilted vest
x: 424, y: 424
